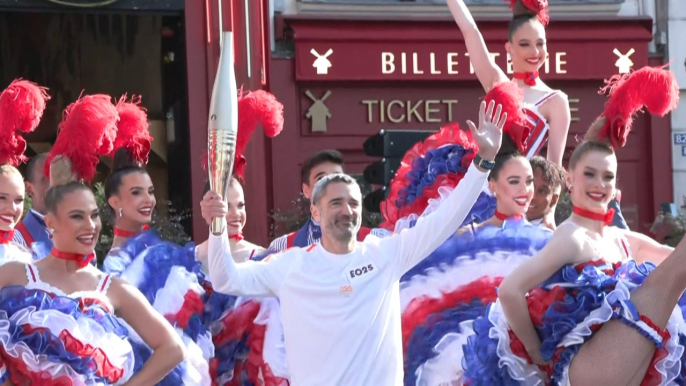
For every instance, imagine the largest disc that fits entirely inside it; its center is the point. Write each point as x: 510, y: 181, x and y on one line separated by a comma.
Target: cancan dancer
x: 167, y: 274
x: 584, y: 277
x: 21, y: 107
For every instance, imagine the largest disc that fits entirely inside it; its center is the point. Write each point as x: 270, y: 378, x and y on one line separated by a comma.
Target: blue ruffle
x: 16, y: 298
x: 40, y: 249
x: 425, y: 170
x: 585, y: 292
x: 160, y: 257
x: 516, y: 237
x: 480, y: 360
x: 424, y: 339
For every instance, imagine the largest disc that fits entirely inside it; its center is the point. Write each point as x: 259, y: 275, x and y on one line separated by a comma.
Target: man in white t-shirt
x: 340, y: 299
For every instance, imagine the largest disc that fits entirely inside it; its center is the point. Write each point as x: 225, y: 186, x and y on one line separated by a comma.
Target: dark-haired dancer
x: 586, y: 275
x: 547, y: 110
x: 57, y: 316
x: 442, y: 295
x: 167, y: 274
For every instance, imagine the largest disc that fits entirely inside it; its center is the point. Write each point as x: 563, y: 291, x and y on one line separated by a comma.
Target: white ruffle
x: 135, y: 273
x: 446, y: 367
x: 85, y: 330
x: 13, y: 252
x: 198, y: 368
x: 170, y: 298
x: 433, y: 205
x: 274, y: 349
x: 464, y: 270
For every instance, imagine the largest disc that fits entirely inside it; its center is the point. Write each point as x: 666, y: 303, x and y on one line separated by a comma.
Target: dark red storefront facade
x: 373, y: 74
x: 415, y: 74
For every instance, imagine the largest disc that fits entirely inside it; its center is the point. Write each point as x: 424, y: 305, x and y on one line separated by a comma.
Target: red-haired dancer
x: 586, y: 275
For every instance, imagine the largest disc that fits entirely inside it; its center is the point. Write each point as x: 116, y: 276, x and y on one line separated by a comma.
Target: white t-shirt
x: 341, y: 313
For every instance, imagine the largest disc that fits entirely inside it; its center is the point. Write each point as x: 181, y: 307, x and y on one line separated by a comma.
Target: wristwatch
x: 482, y: 163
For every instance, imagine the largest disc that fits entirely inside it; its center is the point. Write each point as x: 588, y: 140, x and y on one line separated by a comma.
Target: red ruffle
x: 511, y: 98
x: 419, y: 309
x: 259, y: 372
x: 653, y: 377
x: 537, y: 7
x: 192, y: 305
x: 104, y: 369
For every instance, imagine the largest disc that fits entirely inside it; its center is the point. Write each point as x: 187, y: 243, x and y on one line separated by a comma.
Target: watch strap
x: 482, y: 163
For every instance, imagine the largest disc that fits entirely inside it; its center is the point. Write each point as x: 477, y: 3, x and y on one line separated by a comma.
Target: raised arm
x: 156, y: 332
x: 485, y: 68
x: 416, y: 243
x: 251, y: 278
x: 644, y: 249
x: 559, y: 118
x: 562, y: 248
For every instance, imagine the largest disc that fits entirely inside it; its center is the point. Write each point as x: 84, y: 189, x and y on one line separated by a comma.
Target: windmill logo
x: 624, y: 62
x: 322, y: 63
x: 318, y: 113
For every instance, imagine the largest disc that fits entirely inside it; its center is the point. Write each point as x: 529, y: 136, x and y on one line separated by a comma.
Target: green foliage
x: 166, y: 222
x: 564, y: 208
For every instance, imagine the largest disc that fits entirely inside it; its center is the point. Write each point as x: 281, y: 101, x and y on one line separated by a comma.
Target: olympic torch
x: 222, y: 126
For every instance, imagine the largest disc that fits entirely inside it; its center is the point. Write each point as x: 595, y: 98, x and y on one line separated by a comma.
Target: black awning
x: 93, y: 5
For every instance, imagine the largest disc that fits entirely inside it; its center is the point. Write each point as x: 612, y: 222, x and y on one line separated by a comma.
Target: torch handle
x: 216, y: 226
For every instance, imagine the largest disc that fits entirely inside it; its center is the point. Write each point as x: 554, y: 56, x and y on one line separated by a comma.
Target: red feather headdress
x: 511, y: 98
x: 21, y: 108
x: 132, y: 130
x: 654, y: 88
x: 537, y: 7
x: 87, y: 131
x: 254, y: 107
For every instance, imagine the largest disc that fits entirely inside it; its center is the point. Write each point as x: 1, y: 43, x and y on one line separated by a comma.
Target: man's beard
x: 345, y: 233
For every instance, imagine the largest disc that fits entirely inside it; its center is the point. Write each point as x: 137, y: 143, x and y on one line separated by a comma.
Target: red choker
x: 502, y: 217
x: 237, y: 236
x: 606, y: 217
x: 124, y: 233
x: 528, y: 77
x: 79, y: 259
x: 6, y: 236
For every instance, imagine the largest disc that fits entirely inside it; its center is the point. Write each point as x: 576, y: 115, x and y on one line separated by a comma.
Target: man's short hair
x: 321, y: 185
x: 552, y: 173
x: 318, y: 158
x: 31, y: 174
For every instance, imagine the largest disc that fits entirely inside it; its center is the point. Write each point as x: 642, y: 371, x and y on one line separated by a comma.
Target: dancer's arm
x: 156, y: 332
x: 251, y: 278
x: 563, y: 248
x: 559, y: 118
x: 485, y: 68
x: 643, y: 248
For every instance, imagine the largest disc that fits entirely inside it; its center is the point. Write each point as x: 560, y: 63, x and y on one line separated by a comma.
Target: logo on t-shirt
x: 360, y: 271
x: 346, y: 290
